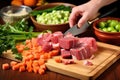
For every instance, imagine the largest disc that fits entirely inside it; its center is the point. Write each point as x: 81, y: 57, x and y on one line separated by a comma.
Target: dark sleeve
x: 111, y: 6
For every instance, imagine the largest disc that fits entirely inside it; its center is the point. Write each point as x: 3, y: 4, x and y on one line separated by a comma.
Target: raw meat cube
x: 81, y: 52
x: 66, y: 54
x: 91, y: 42
x: 56, y: 36
x: 67, y: 43
x: 47, y: 47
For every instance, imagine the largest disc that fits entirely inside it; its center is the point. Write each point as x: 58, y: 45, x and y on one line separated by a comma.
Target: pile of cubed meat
x: 70, y: 47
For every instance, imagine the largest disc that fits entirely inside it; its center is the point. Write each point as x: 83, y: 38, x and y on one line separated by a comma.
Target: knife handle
x: 104, y: 15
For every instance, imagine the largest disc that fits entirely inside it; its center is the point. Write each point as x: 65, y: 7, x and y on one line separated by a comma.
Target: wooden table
x: 112, y: 73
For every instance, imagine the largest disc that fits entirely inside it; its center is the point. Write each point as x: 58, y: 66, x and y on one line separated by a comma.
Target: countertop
x: 112, y: 73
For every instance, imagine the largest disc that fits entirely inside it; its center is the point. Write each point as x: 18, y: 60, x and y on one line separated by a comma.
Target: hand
x: 82, y: 13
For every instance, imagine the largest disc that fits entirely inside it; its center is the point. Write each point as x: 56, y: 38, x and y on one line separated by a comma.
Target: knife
x: 75, y: 30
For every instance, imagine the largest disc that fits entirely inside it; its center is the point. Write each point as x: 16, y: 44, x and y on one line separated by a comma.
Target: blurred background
x: 76, y: 2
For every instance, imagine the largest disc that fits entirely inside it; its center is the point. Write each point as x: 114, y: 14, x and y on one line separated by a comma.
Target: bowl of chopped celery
x: 52, y: 16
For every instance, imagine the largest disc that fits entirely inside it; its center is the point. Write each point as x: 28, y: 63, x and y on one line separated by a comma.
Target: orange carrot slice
x: 41, y: 61
x: 5, y: 66
x: 41, y: 71
x: 22, y: 68
x: 12, y: 63
x: 43, y: 66
x: 58, y: 59
x: 15, y: 67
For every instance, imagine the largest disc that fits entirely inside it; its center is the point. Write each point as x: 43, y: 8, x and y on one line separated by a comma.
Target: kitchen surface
x: 104, y: 65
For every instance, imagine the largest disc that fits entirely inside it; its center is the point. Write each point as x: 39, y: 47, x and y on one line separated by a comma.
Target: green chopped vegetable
x: 54, y: 17
x: 12, y: 34
x: 18, y: 56
x: 109, y: 25
x: 60, y: 7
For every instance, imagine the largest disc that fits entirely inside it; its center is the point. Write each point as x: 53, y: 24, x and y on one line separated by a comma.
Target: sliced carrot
x: 42, y: 56
x: 49, y: 56
x: 22, y: 68
x: 29, y: 45
x: 46, y: 56
x: 39, y: 49
x: 34, y: 42
x: 26, y: 52
x: 35, y: 63
x: 29, y: 69
x: 12, y: 63
x: 30, y: 57
x: 54, y: 52
x: 41, y: 71
x: 21, y: 64
x: 43, y: 66
x: 15, y: 67
x: 29, y: 66
x: 35, y: 69
x: 58, y: 59
x: 36, y: 56
x: 25, y: 59
x: 29, y: 63
x: 27, y: 41
x: 41, y: 61
x: 5, y: 66
x: 20, y: 47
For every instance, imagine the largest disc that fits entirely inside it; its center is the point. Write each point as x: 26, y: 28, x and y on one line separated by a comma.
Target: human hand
x: 82, y: 13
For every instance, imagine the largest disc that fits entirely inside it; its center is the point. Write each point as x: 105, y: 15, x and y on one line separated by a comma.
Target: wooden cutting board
x: 105, y: 56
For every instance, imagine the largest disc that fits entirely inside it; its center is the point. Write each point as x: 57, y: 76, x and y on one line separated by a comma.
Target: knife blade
x: 75, y: 30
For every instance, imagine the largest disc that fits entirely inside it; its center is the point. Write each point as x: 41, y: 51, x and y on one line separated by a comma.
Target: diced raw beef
x: 43, y: 38
x: 68, y: 61
x: 47, y: 47
x: 54, y: 39
x: 55, y: 45
x: 68, y: 42
x: 47, y: 36
x: 87, y: 51
x: 66, y: 54
x: 77, y: 54
x: 88, y: 63
x: 91, y: 42
x: 40, y: 41
x: 81, y: 52
x: 58, y: 33
x: 78, y: 48
x: 56, y: 36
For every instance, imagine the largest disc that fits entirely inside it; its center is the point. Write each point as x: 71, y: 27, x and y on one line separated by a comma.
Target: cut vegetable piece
x: 5, y: 66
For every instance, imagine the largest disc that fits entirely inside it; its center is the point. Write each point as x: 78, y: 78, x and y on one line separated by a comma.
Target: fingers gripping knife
x: 76, y: 31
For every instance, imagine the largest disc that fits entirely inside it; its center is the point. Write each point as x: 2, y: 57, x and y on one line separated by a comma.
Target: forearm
x: 101, y: 3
